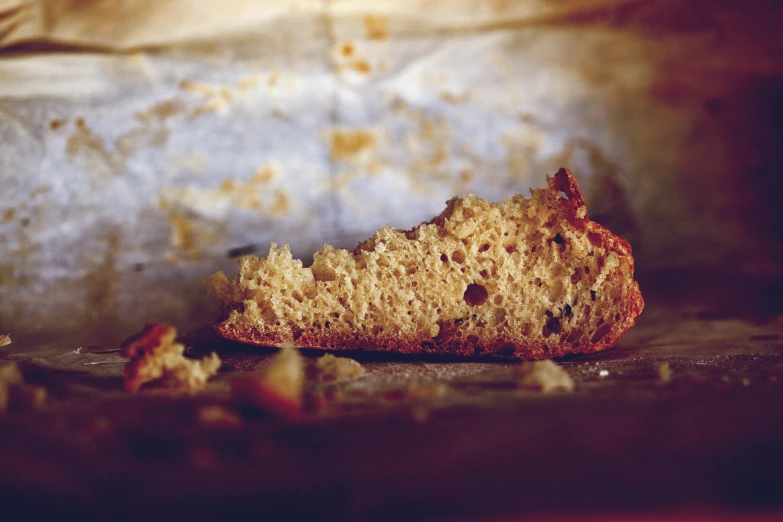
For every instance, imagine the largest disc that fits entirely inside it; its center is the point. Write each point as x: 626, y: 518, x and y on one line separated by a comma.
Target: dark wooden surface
x: 708, y: 441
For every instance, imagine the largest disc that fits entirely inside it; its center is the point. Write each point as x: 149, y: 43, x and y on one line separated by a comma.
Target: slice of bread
x: 527, y: 279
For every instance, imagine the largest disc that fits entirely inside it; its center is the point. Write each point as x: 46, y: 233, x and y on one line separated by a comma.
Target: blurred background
x: 144, y: 145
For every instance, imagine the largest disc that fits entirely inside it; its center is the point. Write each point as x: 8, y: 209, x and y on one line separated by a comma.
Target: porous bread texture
x: 530, y: 278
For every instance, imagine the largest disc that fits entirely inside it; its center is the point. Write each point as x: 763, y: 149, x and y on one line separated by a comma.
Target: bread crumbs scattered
x: 334, y: 369
x: 15, y: 392
x: 277, y: 389
x: 545, y: 376
x: 664, y: 372
x: 155, y: 356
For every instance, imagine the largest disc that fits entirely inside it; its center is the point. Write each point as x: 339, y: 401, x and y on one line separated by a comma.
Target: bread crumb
x: 545, y: 376
x: 217, y: 416
x: 333, y: 369
x: 14, y: 391
x: 745, y: 381
x: 5, y: 340
x: 664, y: 372
x: 155, y: 356
x: 277, y: 389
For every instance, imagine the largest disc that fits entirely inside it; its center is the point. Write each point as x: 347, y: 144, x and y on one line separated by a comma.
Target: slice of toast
x: 527, y: 279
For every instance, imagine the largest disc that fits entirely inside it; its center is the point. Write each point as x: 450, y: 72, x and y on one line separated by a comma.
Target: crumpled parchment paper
x: 145, y: 144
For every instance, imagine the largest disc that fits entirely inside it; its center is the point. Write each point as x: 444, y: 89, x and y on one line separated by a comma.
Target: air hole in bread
x: 475, y: 295
x: 552, y: 326
x: 576, y: 276
x: 499, y: 315
x: 511, y: 248
x: 473, y: 339
x: 498, y: 299
x: 592, y: 295
x: 444, y: 258
x: 559, y: 239
x: 324, y: 273
x: 485, y: 247
x: 600, y: 333
x: 458, y: 256
x: 484, y: 273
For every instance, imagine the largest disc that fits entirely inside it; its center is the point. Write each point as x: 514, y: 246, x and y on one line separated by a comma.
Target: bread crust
x: 509, y: 347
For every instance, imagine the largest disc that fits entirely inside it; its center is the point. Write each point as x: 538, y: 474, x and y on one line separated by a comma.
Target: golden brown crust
x: 625, y: 308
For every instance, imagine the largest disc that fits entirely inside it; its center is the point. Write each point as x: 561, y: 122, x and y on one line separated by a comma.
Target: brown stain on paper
x: 85, y: 144
x: 104, y: 162
x: 17, y: 267
x: 57, y: 124
x: 102, y: 284
x: 191, y: 232
x: 348, y: 145
x: 376, y: 27
x: 218, y: 99
x: 346, y: 57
